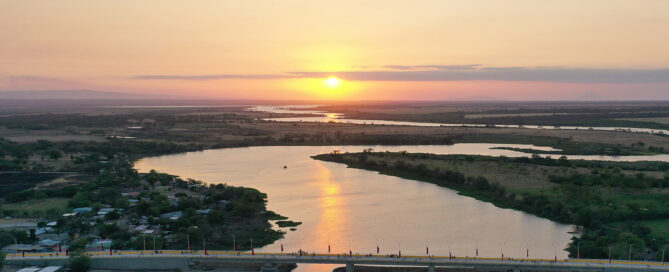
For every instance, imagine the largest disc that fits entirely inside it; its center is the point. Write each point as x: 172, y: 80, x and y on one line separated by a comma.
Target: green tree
x: 623, y: 243
x: 78, y: 244
x: 54, y: 154
x: 80, y: 263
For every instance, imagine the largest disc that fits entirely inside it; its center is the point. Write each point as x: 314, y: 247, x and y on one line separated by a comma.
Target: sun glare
x: 332, y: 82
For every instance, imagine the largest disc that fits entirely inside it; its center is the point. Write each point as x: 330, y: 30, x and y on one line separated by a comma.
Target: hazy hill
x: 69, y: 94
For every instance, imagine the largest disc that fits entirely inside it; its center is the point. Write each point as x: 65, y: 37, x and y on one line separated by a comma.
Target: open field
x: 659, y: 120
x: 14, y: 181
x: 30, y: 208
x: 218, y: 127
x: 659, y: 228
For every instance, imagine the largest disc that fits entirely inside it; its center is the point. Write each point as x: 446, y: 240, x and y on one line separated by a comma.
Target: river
x: 357, y: 209
x: 325, y: 117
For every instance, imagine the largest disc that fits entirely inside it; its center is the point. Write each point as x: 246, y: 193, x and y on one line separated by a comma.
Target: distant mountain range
x: 73, y: 94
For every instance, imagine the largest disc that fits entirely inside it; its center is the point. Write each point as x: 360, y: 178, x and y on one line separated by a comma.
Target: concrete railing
x: 181, y: 259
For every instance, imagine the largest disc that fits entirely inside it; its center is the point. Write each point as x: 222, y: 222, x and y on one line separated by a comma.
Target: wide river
x: 358, y: 209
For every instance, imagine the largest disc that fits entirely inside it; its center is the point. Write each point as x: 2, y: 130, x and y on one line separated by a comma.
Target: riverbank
x: 106, y: 203
x: 618, y: 203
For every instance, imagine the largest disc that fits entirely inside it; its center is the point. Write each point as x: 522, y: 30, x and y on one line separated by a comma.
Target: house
x: 141, y: 228
x: 44, y: 230
x: 48, y: 242
x: 29, y: 269
x: 16, y: 248
x: 99, y: 245
x: 82, y: 210
x: 51, y: 269
x: 205, y: 211
x: 131, y: 194
x: 105, y: 211
x: 172, y: 215
x: 52, y: 224
x: 51, y: 245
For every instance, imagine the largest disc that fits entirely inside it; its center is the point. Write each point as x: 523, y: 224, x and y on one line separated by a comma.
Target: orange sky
x: 507, y: 49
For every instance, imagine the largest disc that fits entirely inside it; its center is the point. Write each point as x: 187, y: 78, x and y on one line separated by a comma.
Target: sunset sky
x: 379, y: 50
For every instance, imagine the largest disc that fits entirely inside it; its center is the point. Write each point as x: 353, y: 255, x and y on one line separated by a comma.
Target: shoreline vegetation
x: 618, y: 204
x: 94, y: 198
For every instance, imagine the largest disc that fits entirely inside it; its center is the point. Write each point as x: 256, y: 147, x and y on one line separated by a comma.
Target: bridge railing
x: 209, y: 253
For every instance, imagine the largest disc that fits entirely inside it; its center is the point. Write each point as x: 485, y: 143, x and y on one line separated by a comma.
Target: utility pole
x: 477, y: 247
x: 609, y: 254
x: 399, y: 249
x: 501, y: 250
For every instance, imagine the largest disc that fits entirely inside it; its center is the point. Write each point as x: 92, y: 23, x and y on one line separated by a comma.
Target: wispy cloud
x: 10, y: 81
x: 467, y: 72
x: 214, y: 77
x: 433, y: 67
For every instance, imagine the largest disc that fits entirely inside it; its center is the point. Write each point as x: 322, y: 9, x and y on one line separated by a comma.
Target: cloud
x: 12, y: 82
x: 470, y: 72
x: 213, y: 77
x: 433, y: 67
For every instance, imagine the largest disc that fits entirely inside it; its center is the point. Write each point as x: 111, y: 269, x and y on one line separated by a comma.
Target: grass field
x: 659, y: 120
x: 659, y: 228
x: 33, y: 207
x: 515, y: 176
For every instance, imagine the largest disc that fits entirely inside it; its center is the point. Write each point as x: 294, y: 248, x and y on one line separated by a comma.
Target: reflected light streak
x: 333, y: 221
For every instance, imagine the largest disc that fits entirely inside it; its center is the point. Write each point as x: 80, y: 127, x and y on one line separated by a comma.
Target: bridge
x: 168, y: 259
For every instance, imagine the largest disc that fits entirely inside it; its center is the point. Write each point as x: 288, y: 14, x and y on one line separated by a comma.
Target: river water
x: 358, y: 209
x: 339, y: 118
x: 353, y: 209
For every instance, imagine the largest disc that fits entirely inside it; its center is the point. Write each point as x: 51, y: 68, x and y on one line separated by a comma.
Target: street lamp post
x: 609, y: 254
x: 399, y: 249
x: 477, y: 247
x: 501, y: 250
x: 154, y: 245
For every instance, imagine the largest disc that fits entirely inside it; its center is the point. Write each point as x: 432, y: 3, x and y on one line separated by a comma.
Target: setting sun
x: 332, y: 82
